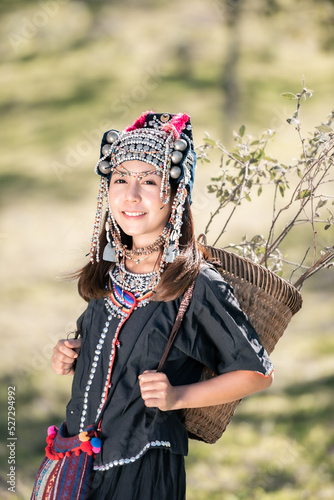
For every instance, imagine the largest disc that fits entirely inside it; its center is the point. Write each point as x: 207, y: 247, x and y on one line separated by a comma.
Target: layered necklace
x: 138, y: 284
x: 140, y: 254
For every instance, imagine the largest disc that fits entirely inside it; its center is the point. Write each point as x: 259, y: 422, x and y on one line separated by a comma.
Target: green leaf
x: 242, y: 130
x: 281, y: 189
x: 289, y: 95
x: 324, y: 128
x: 321, y: 203
x: 259, y: 191
x: 237, y: 157
x: 209, y: 141
x: 303, y: 194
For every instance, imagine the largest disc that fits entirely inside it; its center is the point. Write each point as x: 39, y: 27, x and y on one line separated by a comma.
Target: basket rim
x: 255, y: 274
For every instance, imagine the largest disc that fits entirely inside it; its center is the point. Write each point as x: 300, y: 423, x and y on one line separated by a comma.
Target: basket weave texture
x: 269, y: 302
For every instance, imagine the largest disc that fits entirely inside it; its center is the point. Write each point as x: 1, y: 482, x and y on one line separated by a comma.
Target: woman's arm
x: 157, y: 391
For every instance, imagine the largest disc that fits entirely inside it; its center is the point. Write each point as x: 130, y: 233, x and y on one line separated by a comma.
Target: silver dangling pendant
x: 109, y: 253
x: 171, y: 253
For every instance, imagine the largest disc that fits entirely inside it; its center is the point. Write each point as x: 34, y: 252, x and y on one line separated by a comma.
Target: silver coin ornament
x: 106, y: 149
x: 175, y: 172
x: 104, y: 167
x: 177, y: 156
x: 112, y: 135
x: 180, y: 145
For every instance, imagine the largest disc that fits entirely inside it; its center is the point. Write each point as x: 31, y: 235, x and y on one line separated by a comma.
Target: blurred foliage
x: 248, y: 169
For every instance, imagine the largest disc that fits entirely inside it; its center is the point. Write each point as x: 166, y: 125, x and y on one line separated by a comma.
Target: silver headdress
x: 163, y: 141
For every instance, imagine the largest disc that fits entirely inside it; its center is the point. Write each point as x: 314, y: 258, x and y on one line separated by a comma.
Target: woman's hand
x: 64, y: 355
x: 156, y: 390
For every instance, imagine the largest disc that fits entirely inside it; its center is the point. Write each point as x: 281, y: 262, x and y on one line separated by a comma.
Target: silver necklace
x: 138, y: 284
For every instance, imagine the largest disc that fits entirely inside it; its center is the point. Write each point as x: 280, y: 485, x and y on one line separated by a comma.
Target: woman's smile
x: 133, y: 214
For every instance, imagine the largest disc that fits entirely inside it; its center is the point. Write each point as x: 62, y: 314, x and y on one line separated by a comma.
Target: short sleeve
x: 217, y: 333
x: 84, y: 321
x: 79, y: 323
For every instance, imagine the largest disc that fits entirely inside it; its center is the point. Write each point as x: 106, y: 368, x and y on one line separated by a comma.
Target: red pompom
x: 50, y: 454
x: 139, y: 122
x: 86, y: 446
x: 176, y: 124
x: 52, y: 430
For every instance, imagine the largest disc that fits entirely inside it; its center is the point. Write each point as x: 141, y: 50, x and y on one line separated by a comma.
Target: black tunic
x: 214, y: 332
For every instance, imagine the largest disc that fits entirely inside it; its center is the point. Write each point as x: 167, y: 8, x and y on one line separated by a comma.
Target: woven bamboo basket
x: 269, y: 302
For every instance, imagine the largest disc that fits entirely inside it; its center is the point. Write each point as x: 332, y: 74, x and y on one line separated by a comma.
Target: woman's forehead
x: 136, y: 166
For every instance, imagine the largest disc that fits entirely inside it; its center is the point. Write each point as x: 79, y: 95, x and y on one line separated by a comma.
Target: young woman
x: 144, y: 257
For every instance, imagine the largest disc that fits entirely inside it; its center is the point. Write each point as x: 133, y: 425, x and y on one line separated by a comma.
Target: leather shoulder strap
x: 183, y: 307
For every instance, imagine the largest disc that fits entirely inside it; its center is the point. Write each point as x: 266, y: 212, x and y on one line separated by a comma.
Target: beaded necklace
x: 138, y: 284
x: 120, y: 304
x: 145, y: 251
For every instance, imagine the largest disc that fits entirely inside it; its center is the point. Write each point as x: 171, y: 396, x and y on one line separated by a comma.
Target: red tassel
x: 139, y: 122
x: 176, y: 124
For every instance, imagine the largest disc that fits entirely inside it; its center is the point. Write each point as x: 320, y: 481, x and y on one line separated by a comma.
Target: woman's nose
x: 133, y: 191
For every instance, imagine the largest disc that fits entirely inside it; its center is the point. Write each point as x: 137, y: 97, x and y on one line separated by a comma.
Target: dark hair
x: 178, y: 276
x: 175, y: 279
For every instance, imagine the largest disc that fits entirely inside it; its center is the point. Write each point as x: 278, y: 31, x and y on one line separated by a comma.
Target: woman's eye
x: 150, y: 182
x: 119, y: 181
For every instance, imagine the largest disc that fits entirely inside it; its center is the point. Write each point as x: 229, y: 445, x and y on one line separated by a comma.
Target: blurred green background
x: 69, y: 71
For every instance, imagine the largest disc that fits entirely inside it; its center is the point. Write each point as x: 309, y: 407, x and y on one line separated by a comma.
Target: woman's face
x: 135, y: 202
